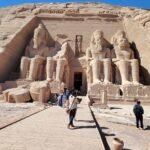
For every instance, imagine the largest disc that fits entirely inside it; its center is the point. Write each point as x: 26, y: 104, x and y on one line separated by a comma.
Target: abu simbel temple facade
x: 91, y: 47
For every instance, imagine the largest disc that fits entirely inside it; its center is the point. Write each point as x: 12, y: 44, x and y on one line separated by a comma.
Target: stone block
x: 40, y: 91
x: 16, y: 95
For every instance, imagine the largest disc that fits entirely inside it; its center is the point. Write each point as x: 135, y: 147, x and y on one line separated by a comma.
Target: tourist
x: 60, y: 100
x: 72, y: 108
x: 138, y: 111
x: 66, y: 95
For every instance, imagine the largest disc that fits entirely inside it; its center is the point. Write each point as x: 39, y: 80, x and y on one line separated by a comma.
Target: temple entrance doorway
x: 77, y: 81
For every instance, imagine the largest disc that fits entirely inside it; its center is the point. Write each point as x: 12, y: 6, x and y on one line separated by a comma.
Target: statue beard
x: 123, y: 46
x: 99, y: 45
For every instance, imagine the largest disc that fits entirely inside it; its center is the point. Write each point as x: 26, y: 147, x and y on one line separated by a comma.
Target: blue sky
x: 134, y: 3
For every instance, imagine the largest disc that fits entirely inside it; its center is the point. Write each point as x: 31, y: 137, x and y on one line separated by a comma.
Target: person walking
x: 72, y: 108
x: 138, y: 111
x: 65, y: 97
x: 60, y: 100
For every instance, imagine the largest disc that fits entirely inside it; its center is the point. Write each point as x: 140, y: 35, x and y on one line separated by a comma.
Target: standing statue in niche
x: 60, y: 60
x: 32, y: 64
x: 78, y: 46
x: 124, y: 59
x: 98, y: 57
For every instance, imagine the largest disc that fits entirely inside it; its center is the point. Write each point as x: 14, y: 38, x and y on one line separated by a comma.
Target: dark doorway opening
x: 77, y: 81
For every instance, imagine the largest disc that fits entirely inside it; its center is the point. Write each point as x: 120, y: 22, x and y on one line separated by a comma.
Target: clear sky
x: 134, y: 3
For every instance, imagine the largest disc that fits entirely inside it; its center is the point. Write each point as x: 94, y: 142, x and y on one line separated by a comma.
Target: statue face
x: 122, y: 41
x: 98, y: 36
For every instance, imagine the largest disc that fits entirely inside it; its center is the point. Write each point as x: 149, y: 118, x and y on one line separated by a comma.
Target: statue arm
x: 61, y: 54
x: 114, y: 56
x: 132, y: 55
x: 88, y: 54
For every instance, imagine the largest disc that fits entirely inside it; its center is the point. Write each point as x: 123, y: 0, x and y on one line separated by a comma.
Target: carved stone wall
x: 72, y: 26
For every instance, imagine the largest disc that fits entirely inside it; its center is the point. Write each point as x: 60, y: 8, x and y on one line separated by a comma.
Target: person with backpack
x: 138, y: 111
x: 72, y: 108
x: 66, y: 95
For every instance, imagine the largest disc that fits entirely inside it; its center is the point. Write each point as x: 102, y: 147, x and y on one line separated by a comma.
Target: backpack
x: 138, y: 110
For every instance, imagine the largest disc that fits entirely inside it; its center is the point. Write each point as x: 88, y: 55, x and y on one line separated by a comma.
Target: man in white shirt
x: 72, y: 106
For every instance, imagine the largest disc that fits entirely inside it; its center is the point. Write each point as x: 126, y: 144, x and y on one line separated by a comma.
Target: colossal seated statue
x: 61, y: 62
x: 32, y: 64
x: 98, y: 59
x: 124, y: 59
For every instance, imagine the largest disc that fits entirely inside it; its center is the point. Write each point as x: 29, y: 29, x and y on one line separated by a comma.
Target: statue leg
x: 96, y: 70
x: 49, y: 68
x: 60, y: 69
x: 40, y: 72
x: 135, y: 71
x: 24, y: 67
x: 34, y: 68
x: 124, y: 71
x: 107, y: 70
x: 89, y: 75
x: 67, y: 75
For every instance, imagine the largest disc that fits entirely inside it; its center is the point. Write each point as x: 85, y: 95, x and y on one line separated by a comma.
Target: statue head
x: 39, y: 37
x: 97, y: 38
x: 120, y: 40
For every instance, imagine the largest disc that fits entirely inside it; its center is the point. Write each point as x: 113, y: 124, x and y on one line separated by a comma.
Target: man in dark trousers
x: 72, y: 107
x: 138, y: 111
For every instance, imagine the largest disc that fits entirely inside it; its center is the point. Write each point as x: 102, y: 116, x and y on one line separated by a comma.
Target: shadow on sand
x: 147, y: 128
x: 83, y: 127
x: 88, y: 121
x: 115, y: 108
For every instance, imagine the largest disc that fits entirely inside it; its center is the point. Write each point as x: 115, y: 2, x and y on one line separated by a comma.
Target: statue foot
x: 49, y: 79
x: 136, y: 83
x: 126, y: 83
x: 107, y: 82
x: 58, y: 80
x: 96, y: 81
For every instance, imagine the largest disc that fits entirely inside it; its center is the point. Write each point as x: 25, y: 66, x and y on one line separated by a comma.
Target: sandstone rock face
x: 83, y: 46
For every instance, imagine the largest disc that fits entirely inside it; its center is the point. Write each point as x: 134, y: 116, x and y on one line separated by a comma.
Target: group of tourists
x: 69, y: 101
